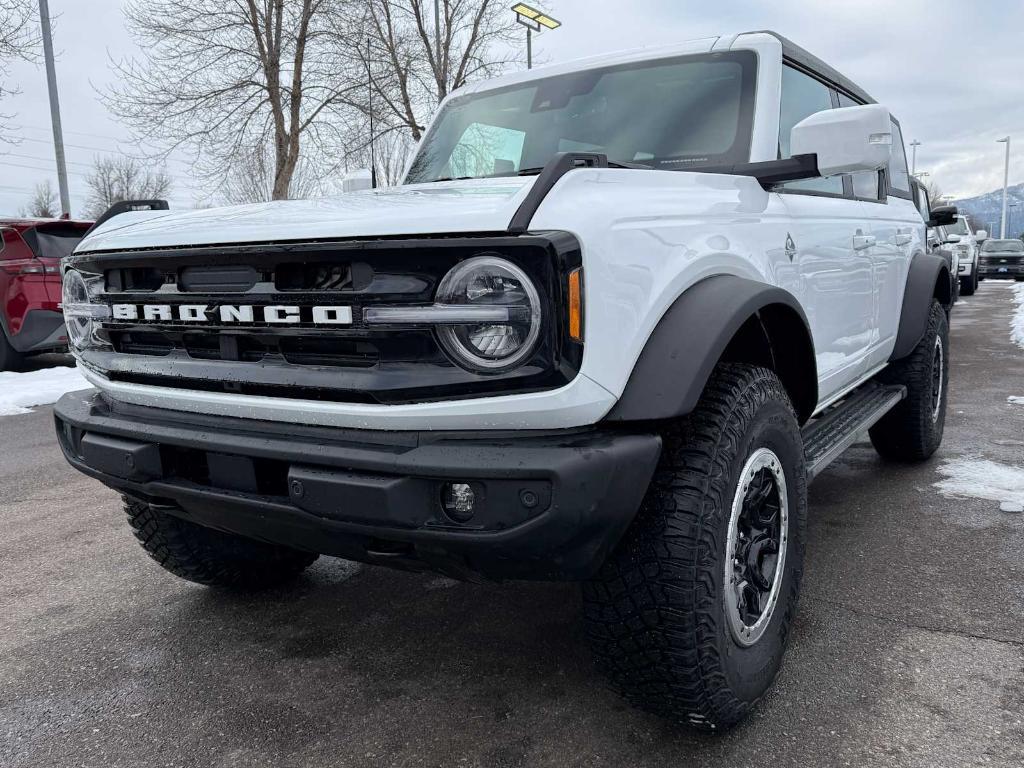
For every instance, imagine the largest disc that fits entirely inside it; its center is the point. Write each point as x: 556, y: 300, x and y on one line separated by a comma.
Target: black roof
x: 808, y: 60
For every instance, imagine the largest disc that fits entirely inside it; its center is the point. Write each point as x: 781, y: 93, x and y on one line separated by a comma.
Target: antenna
x: 369, y: 89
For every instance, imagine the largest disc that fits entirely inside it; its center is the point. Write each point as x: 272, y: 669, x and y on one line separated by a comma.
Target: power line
x: 44, y: 170
x: 41, y: 159
x: 107, y: 150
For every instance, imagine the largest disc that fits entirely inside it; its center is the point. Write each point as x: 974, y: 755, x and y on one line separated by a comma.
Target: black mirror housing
x: 943, y: 216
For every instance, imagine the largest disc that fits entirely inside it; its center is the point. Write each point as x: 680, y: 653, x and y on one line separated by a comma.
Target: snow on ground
x: 981, y: 479
x: 1017, y: 323
x: 21, y: 391
x: 1015, y: 400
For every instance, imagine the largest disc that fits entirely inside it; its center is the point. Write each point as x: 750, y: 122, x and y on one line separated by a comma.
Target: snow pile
x: 1015, y: 400
x: 20, y: 391
x: 982, y: 479
x: 1017, y: 323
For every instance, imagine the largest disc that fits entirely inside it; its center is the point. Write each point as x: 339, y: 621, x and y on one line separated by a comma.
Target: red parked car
x: 30, y: 316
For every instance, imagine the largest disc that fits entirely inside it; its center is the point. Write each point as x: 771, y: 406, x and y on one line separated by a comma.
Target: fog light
x: 458, y: 500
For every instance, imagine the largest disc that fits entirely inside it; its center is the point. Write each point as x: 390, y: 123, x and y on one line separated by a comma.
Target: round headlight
x: 75, y: 295
x: 490, y: 282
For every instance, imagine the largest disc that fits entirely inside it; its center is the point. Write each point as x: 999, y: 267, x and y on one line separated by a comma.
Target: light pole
x: 58, y: 133
x: 913, y: 162
x: 1006, y: 182
x: 534, y: 21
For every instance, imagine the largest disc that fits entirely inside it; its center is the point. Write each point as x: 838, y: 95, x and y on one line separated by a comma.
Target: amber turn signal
x: 575, y: 305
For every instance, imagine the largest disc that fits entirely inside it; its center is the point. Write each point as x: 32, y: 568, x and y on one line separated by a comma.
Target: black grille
x: 306, y: 359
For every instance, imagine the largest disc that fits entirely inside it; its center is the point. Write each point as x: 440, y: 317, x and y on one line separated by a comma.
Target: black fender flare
x: 924, y: 283
x: 692, y: 337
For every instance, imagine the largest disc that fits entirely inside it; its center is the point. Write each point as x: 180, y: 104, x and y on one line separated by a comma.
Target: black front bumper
x: 549, y: 506
x: 1001, y: 270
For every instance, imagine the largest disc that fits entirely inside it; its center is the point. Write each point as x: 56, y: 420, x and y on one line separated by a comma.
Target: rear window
x: 55, y: 241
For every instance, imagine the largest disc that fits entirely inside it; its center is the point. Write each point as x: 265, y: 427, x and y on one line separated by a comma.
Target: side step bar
x: 827, y: 436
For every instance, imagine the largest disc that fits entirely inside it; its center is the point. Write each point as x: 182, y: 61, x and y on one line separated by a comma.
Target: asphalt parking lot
x: 908, y: 648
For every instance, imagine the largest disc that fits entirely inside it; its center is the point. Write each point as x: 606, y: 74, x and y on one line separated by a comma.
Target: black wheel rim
x: 756, y: 547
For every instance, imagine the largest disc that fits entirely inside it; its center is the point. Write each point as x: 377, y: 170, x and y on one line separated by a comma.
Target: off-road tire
x: 210, y: 557
x: 969, y: 284
x: 10, y: 358
x: 655, y: 614
x: 912, y: 431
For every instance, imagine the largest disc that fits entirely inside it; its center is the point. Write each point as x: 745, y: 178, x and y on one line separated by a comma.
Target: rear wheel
x: 10, y: 358
x: 211, y: 557
x: 690, y: 615
x: 912, y: 431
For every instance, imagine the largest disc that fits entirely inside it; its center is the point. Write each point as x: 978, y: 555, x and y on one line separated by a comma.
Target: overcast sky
x: 950, y: 71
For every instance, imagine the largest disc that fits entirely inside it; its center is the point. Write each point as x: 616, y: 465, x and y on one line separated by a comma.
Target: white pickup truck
x: 966, y: 245
x: 618, y: 315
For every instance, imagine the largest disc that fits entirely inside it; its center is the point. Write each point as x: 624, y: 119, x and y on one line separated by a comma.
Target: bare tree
x: 19, y: 38
x: 118, y: 178
x: 43, y: 204
x: 252, y: 175
x: 933, y: 190
x: 413, y: 67
x: 392, y: 149
x: 220, y: 78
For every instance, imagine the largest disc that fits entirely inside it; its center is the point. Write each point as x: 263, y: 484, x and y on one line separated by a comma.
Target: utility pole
x: 913, y: 163
x: 1006, y: 183
x: 58, y: 133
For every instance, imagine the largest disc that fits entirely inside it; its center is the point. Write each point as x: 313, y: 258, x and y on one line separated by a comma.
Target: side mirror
x: 357, y: 180
x: 845, y: 140
x: 952, y: 239
x: 943, y: 216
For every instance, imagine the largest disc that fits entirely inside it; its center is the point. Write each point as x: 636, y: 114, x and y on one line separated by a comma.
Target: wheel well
x: 777, y: 338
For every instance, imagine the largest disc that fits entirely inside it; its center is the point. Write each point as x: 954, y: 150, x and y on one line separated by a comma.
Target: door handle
x: 860, y: 242
x: 903, y: 238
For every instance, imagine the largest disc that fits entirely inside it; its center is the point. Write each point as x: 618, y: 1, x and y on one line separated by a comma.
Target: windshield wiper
x: 611, y: 164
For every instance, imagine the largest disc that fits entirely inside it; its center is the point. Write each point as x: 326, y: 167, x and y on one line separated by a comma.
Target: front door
x: 830, y: 243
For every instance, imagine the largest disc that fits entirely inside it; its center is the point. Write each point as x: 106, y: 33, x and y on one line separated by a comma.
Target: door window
x: 802, y: 96
x: 899, y: 176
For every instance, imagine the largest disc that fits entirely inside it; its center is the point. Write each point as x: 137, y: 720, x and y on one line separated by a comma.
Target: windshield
x: 1004, y: 245
x: 671, y: 114
x: 959, y: 227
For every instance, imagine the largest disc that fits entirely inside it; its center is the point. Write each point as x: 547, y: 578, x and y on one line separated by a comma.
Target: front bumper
x: 1001, y: 270
x: 550, y: 506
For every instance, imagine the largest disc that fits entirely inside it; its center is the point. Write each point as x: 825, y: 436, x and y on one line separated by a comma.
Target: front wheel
x: 968, y: 284
x: 209, y: 557
x: 690, y: 615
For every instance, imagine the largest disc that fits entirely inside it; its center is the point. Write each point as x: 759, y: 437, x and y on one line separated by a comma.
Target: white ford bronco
x: 618, y: 315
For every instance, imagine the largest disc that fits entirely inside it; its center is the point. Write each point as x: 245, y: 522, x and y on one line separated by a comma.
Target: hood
x: 474, y: 205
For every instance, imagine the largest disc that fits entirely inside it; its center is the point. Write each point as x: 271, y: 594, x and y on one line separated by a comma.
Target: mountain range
x: 986, y: 210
